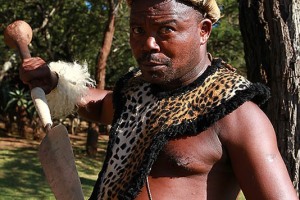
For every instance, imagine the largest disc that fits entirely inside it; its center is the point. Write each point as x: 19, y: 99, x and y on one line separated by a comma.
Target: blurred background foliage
x: 72, y: 30
x: 226, y: 40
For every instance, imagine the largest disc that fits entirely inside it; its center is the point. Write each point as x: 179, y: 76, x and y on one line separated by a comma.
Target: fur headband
x: 209, y: 7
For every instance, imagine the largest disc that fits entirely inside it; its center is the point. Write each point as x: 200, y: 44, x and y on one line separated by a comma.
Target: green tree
x: 108, y: 33
x: 72, y: 30
x: 226, y: 40
x: 121, y: 51
x: 63, y: 30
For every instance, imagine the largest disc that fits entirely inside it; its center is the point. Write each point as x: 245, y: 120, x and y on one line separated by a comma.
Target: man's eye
x: 137, y: 30
x: 166, y: 30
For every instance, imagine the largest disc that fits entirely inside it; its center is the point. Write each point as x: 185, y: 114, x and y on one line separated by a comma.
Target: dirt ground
x: 12, y: 140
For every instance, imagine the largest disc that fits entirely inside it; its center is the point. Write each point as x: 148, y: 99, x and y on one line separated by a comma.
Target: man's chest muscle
x: 190, y: 155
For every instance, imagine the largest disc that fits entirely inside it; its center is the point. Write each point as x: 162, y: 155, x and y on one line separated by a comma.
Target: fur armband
x: 73, y: 84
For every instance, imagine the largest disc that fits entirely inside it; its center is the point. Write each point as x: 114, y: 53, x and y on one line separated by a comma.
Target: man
x: 184, y: 125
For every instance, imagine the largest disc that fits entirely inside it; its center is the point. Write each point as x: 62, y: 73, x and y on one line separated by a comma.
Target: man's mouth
x: 152, y: 61
x: 152, y: 66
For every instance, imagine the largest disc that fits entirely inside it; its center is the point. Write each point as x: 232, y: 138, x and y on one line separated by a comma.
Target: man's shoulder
x: 244, y: 123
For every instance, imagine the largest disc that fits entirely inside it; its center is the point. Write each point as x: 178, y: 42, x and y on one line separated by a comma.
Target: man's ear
x: 205, y: 27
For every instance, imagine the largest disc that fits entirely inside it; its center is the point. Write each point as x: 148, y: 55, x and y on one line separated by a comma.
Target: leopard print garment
x: 146, y: 119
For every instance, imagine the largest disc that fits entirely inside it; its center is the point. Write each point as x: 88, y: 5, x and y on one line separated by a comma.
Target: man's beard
x: 161, y: 77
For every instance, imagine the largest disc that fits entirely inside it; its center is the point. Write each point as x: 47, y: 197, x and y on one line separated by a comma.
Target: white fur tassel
x: 73, y: 84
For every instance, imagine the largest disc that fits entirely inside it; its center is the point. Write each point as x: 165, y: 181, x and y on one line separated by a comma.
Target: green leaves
x: 19, y: 98
x: 72, y: 30
x: 225, y: 40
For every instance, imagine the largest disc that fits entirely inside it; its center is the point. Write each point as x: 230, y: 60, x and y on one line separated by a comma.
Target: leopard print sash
x: 146, y: 118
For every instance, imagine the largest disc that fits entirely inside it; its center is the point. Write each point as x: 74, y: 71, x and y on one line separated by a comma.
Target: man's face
x: 165, y: 37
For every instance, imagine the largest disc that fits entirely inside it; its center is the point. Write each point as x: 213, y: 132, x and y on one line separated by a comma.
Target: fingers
x: 35, y: 73
x: 28, y: 74
x: 32, y: 63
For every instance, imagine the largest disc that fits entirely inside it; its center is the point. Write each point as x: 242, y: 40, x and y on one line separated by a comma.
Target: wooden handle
x: 23, y: 50
x: 39, y: 99
x: 18, y: 35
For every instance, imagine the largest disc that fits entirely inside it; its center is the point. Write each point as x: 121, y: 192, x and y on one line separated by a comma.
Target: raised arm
x: 251, y: 144
x: 96, y: 105
x: 99, y: 106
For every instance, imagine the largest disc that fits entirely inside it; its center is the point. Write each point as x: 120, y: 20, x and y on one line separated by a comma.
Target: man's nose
x: 151, y: 44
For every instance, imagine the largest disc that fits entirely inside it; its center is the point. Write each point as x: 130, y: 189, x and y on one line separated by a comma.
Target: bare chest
x: 194, y: 167
x: 190, y: 155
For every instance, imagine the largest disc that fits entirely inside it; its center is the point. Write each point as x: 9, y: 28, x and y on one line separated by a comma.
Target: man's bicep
x: 107, y: 111
x: 251, y: 143
x: 98, y: 106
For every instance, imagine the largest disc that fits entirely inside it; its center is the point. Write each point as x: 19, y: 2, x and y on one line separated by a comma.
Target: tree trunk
x: 271, y: 36
x: 106, y: 45
x: 91, y: 145
x: 92, y: 139
x: 21, y: 120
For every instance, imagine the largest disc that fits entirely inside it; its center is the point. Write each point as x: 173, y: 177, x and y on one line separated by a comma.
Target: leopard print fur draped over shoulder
x: 145, y: 119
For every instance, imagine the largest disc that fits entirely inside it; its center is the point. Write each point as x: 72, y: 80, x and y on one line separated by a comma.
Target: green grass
x: 21, y: 175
